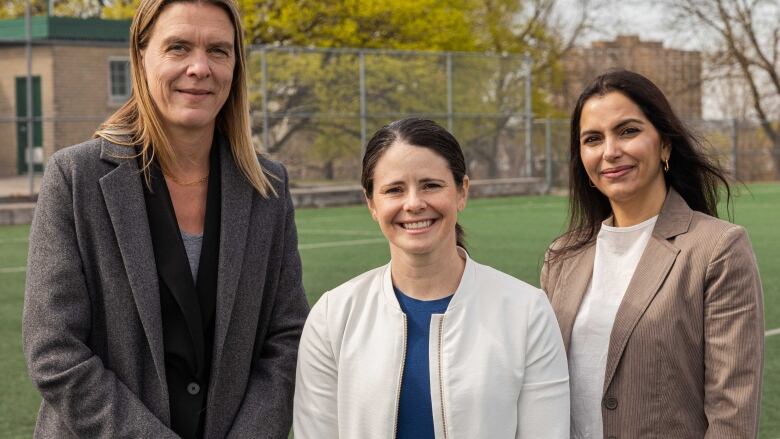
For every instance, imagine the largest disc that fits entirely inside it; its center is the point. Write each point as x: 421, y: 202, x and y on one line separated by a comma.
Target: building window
x: 119, y: 79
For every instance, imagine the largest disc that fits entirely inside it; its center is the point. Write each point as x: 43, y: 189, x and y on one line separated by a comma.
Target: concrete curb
x: 16, y: 213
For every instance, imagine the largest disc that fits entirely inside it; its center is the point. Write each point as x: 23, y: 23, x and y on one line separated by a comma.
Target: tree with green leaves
x: 405, y: 85
x: 110, y: 9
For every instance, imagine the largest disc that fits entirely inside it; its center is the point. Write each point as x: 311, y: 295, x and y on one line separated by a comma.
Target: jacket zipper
x: 441, y: 378
x: 400, y: 381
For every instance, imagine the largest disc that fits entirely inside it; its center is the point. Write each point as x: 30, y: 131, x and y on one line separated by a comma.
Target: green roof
x: 66, y: 28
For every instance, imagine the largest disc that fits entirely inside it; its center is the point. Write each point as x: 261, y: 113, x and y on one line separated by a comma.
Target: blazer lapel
x: 124, y: 197
x: 574, y: 279
x: 236, y: 207
x: 652, y: 269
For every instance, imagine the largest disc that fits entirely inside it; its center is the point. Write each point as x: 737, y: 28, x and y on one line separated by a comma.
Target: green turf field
x: 510, y: 234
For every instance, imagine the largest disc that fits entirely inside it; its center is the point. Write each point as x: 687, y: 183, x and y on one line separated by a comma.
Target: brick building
x: 81, y: 74
x: 676, y: 72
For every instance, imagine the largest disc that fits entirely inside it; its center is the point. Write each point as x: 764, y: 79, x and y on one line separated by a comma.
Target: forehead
x: 609, y: 109
x: 187, y: 19
x: 402, y: 159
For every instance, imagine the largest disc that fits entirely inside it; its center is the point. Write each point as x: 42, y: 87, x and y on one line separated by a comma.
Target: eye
x: 392, y: 190
x: 220, y: 51
x: 590, y: 139
x: 176, y: 48
x: 431, y: 185
x: 629, y: 131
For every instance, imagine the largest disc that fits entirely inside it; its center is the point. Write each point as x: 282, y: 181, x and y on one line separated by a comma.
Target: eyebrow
x: 175, y: 39
x: 401, y: 182
x: 616, y: 127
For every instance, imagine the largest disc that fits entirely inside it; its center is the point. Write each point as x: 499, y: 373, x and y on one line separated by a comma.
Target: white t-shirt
x: 618, y: 250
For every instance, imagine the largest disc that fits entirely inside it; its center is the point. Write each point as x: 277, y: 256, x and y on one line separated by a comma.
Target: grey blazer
x: 92, y: 327
x: 686, y: 350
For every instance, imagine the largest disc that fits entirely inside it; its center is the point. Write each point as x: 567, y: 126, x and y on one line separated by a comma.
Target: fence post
x: 735, y: 148
x: 548, y: 159
x: 362, y: 103
x: 29, y: 89
x: 449, y: 92
x: 529, y: 119
x: 264, y: 86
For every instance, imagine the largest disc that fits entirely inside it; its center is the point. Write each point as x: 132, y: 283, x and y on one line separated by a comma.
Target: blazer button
x: 610, y: 403
x: 193, y: 388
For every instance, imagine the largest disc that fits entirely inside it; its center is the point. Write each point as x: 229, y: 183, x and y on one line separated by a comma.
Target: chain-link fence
x: 314, y: 109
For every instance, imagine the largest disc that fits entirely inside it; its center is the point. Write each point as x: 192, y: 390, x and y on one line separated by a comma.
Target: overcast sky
x: 644, y: 18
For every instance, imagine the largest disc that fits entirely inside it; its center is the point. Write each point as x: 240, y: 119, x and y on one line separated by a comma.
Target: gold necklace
x: 192, y: 183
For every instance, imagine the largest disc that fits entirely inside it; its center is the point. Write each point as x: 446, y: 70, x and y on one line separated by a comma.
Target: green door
x: 21, y: 124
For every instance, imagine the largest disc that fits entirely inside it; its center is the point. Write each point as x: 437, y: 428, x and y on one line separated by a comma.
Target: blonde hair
x: 137, y: 122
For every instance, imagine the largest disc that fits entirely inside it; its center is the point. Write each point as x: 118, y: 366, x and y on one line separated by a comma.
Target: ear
x: 370, y: 204
x: 666, y: 150
x: 464, y: 193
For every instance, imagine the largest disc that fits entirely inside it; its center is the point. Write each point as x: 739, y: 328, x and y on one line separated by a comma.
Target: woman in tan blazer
x: 659, y: 301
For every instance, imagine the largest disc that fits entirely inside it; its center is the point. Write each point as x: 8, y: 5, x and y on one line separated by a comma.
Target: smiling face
x: 189, y: 62
x: 416, y: 201
x: 622, y: 152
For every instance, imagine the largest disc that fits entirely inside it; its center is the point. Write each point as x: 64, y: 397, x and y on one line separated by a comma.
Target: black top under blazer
x: 187, y: 306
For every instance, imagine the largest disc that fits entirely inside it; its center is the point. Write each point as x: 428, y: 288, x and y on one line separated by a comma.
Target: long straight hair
x: 138, y: 123
x: 694, y: 176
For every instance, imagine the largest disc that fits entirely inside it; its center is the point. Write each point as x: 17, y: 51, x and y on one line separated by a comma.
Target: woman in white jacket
x: 433, y: 344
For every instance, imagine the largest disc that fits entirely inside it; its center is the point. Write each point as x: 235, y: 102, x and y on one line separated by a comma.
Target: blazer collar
x: 236, y: 207
x: 461, y: 295
x: 574, y: 278
x: 675, y: 217
x: 124, y: 198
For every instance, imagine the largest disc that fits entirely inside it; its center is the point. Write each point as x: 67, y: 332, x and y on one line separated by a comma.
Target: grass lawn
x: 510, y: 234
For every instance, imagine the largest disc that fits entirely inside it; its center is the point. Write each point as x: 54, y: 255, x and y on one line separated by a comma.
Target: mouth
x: 617, y: 171
x: 194, y: 91
x: 417, y: 225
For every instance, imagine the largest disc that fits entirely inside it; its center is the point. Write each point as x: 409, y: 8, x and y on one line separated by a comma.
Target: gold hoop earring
x: 666, y: 165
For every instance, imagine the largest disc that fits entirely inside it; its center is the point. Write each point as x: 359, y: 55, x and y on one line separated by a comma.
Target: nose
x: 414, y: 202
x: 612, y: 148
x: 199, y: 65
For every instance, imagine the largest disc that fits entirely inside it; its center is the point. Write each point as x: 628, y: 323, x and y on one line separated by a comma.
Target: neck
x: 639, y: 209
x: 192, y: 152
x: 427, y: 277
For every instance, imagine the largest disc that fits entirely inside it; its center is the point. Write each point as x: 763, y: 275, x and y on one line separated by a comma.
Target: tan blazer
x: 687, y: 346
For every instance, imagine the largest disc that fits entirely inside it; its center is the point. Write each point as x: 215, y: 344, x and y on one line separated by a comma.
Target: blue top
x: 415, y: 413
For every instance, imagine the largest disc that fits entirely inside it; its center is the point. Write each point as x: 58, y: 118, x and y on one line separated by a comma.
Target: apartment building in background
x: 678, y: 73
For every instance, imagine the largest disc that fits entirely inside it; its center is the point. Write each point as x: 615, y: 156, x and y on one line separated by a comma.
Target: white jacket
x: 497, y: 362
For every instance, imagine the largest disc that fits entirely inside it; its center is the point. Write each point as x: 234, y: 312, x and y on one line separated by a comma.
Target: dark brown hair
x: 423, y: 133
x: 694, y: 176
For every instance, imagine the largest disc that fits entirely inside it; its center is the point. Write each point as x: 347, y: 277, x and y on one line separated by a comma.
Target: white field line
x: 341, y: 243
x: 307, y: 231
x: 4, y: 270
x: 13, y: 241
x: 7, y: 270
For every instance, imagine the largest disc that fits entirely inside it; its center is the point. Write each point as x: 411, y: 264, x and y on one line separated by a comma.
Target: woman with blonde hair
x: 164, y: 294
x: 659, y: 301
